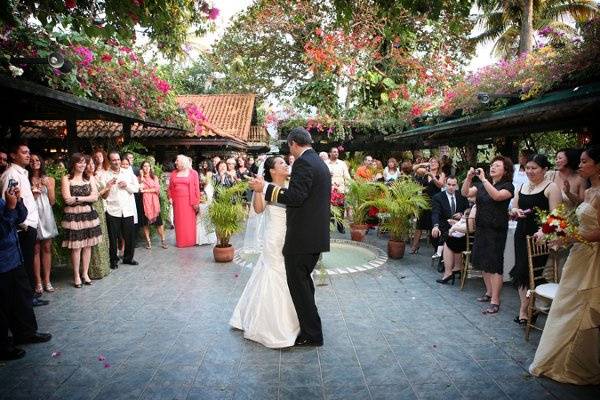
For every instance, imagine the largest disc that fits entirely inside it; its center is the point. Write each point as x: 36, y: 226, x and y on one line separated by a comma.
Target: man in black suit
x: 448, y: 204
x: 307, y: 201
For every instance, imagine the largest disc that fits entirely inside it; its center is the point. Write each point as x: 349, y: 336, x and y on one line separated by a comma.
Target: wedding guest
x: 491, y: 225
x: 184, y: 192
x: 406, y: 168
x: 80, y: 221
x: 3, y: 162
x: 222, y: 177
x: 538, y: 193
x: 16, y: 312
x: 130, y: 159
x: 20, y: 158
x: 571, y: 185
x: 243, y: 173
x: 120, y: 209
x: 205, y: 233
x: 231, y: 169
x: 204, y: 169
x: 258, y: 165
x: 43, y: 189
x: 456, y: 243
x: 150, y: 190
x: 101, y: 162
x: 251, y: 165
x: 100, y: 258
x: 447, y: 206
x: 340, y: 176
x: 324, y: 156
x: 365, y: 171
x: 430, y: 176
x: 569, y: 347
x: 391, y: 172
x: 290, y: 162
x: 215, y: 162
x: 520, y: 173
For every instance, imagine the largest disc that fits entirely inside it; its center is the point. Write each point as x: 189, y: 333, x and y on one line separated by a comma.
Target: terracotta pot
x: 223, y: 254
x: 396, y: 249
x: 358, y: 232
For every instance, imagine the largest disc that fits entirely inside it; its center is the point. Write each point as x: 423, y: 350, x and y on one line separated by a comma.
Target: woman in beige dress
x: 569, y: 350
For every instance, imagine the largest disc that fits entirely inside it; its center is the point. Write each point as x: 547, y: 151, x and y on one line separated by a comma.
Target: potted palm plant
x: 227, y: 213
x: 399, y: 202
x: 359, y: 192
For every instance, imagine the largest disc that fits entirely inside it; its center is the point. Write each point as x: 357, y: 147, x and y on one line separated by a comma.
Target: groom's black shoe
x: 307, y: 342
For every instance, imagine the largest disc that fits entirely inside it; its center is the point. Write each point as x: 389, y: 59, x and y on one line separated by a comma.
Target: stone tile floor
x: 159, y: 331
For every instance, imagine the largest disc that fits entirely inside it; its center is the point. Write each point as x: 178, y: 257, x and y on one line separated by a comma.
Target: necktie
x: 452, y: 205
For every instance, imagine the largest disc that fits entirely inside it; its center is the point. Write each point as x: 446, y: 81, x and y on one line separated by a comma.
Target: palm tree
x: 511, y: 23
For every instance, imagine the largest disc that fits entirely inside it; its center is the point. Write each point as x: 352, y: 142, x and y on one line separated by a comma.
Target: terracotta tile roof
x: 43, y: 129
x: 228, y: 115
x: 258, y: 134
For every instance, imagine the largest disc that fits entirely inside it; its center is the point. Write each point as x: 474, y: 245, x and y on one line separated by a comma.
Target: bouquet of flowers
x: 337, y: 198
x: 559, y: 226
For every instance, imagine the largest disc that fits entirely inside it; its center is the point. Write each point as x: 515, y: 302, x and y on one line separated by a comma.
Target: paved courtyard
x: 159, y: 331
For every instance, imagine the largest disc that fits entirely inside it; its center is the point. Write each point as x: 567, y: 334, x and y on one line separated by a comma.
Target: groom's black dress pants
x: 298, y: 268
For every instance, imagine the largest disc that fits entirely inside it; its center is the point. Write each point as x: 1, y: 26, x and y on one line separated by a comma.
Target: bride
x: 265, y: 311
x: 569, y: 350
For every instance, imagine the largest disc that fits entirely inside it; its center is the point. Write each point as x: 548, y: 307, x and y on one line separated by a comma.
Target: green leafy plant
x: 360, y: 192
x: 227, y: 212
x: 400, y: 201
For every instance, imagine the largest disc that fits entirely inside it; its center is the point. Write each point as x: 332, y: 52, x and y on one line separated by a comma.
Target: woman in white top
x: 391, y: 172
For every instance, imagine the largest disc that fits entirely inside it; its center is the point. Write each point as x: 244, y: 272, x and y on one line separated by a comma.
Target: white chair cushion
x: 547, y: 290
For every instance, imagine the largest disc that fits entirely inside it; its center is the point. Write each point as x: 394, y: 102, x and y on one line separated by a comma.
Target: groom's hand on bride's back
x: 257, y: 184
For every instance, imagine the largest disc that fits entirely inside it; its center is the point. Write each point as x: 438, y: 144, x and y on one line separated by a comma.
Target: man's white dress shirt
x: 121, y: 202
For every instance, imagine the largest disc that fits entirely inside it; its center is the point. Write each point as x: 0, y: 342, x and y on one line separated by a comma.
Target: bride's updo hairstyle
x: 268, y: 165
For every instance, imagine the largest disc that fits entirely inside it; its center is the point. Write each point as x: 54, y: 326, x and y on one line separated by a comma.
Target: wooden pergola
x: 571, y: 110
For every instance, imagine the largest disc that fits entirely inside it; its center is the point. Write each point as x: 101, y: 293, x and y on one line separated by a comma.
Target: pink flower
x: 213, y: 13
x: 319, y: 31
x: 87, y: 56
x: 106, y: 58
x: 415, y: 110
x: 137, y: 2
x: 70, y: 4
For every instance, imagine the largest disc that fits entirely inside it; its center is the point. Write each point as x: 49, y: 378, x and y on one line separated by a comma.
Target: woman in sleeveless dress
x: 100, y: 260
x: 184, y: 192
x: 205, y: 232
x: 538, y: 193
x: 150, y: 190
x: 43, y: 189
x: 572, y: 185
x: 491, y: 225
x: 569, y: 349
x: 265, y: 311
x: 80, y: 221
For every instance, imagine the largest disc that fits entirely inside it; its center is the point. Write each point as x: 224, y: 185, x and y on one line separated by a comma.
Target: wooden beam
x: 72, y: 139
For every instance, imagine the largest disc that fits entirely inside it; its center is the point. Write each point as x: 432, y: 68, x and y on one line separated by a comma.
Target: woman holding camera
x: 491, y: 225
x: 537, y: 193
x: 431, y: 177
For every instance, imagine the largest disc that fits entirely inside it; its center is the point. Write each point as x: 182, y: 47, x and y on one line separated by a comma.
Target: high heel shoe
x: 148, y: 244
x: 447, y: 279
x: 163, y: 244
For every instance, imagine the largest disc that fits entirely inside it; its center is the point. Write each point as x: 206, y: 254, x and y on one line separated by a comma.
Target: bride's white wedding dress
x: 265, y: 311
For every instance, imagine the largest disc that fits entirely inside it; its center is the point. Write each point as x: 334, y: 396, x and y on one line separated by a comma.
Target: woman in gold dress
x: 569, y: 350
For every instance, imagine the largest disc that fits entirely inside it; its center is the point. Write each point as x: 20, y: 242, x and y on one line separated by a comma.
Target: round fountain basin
x: 345, y: 256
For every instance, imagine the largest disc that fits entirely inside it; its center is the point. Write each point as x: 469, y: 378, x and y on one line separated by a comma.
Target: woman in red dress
x: 184, y: 192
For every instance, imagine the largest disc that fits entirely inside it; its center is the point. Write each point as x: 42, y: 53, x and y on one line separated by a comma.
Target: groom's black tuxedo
x: 307, y: 201
x: 441, y: 212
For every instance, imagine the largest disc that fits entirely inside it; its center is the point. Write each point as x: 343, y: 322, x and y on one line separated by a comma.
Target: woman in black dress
x: 491, y: 225
x: 430, y: 176
x: 541, y: 193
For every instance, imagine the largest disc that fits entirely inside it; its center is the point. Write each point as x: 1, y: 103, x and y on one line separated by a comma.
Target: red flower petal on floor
x: 101, y: 357
x: 106, y: 365
x: 236, y: 275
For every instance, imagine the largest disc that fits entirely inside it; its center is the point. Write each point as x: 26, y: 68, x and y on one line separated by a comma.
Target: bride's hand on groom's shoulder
x: 257, y: 184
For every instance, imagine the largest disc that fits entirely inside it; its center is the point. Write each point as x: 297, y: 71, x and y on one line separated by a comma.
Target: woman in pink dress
x: 184, y: 192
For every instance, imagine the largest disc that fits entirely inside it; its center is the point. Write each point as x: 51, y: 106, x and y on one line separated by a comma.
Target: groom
x: 307, y: 236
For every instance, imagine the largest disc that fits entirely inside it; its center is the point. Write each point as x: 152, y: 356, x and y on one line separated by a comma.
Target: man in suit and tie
x: 448, y: 204
x: 307, y: 201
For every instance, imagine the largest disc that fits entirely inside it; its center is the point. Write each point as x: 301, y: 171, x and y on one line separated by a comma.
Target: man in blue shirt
x: 16, y: 309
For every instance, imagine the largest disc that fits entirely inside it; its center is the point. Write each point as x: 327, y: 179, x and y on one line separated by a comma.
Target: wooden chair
x: 545, y: 290
x: 467, y: 267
